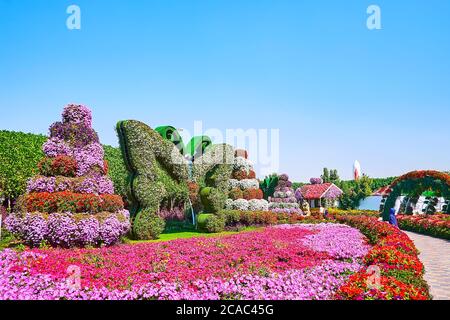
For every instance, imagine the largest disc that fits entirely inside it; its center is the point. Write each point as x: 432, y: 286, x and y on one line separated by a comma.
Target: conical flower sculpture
x: 71, y: 202
x: 284, y: 200
x: 245, y: 194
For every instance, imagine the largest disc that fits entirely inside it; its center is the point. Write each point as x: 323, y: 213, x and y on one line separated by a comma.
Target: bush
x: 215, y: 224
x: 211, y: 223
x: 231, y: 217
x: 237, y: 218
x: 19, y: 155
x: 202, y: 219
x: 117, y: 171
x: 213, y: 199
x: 437, y: 225
x: 148, y: 225
x: 367, y: 213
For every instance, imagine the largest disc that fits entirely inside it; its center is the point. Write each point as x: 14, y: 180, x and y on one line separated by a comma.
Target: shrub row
x: 235, y: 219
x: 69, y: 202
x: 433, y: 225
x: 394, y: 254
x: 367, y: 213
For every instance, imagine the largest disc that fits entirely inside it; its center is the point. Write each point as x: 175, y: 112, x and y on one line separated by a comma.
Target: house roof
x: 317, y: 191
x: 382, y: 191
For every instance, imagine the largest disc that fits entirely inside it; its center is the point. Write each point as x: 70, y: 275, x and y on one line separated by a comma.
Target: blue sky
x: 336, y: 90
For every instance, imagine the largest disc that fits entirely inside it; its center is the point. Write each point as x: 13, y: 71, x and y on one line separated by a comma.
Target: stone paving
x: 435, y: 255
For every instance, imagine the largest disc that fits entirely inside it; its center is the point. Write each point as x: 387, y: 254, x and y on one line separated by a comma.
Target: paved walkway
x: 435, y: 255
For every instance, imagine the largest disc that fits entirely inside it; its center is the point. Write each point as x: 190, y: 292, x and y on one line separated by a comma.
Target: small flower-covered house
x: 319, y: 194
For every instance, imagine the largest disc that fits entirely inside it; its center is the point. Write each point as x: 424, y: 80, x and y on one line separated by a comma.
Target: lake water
x: 370, y: 203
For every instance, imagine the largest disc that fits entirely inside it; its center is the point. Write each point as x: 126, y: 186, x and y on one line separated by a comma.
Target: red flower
x: 72, y: 202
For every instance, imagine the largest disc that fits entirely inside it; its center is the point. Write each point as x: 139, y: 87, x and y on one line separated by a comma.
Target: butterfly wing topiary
x: 159, y: 173
x: 212, y: 172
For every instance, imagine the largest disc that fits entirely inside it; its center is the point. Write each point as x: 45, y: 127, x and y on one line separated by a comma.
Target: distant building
x: 323, y: 194
x: 383, y: 191
x: 357, y: 170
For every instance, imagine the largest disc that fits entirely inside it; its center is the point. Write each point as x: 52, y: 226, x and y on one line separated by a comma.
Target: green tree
x: 330, y: 176
x: 354, y: 192
x: 326, y: 175
x: 334, y: 176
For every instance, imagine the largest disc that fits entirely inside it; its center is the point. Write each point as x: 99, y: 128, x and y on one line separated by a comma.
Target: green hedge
x: 118, y: 172
x: 442, y: 232
x: 20, y: 152
x: 211, y: 223
x: 19, y: 155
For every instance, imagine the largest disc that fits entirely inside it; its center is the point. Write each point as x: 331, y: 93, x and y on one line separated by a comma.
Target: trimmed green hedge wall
x: 19, y: 154
x: 117, y: 170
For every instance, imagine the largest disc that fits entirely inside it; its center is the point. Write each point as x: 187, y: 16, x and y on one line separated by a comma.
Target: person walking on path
x: 393, y: 218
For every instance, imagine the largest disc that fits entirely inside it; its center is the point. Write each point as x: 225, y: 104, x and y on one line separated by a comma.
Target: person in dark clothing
x: 393, y: 218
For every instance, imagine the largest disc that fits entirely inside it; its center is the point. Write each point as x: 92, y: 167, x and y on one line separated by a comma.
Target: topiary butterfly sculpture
x: 160, y: 175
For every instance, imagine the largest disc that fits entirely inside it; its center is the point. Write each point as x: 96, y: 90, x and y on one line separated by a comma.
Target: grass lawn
x: 168, y: 236
x: 7, y: 241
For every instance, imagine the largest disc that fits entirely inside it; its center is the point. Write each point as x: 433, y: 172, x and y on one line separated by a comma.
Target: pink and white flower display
x: 298, y: 262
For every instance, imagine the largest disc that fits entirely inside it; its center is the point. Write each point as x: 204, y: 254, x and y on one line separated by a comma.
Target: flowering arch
x: 415, y: 183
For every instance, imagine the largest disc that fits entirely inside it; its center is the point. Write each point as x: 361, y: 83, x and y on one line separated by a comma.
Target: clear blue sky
x: 336, y: 90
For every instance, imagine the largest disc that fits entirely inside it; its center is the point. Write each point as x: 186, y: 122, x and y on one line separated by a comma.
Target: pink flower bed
x: 295, y: 262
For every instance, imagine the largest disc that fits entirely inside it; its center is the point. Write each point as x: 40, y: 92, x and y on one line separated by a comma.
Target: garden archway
x: 414, y: 184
